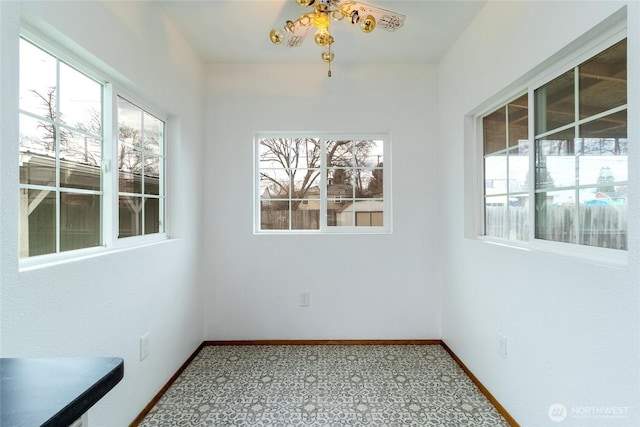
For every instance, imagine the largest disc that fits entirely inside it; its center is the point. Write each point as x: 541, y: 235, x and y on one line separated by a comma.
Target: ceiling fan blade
x: 386, y: 19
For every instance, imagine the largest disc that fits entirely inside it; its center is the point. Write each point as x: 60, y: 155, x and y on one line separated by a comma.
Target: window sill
x: 604, y: 257
x: 51, y: 260
x: 341, y: 232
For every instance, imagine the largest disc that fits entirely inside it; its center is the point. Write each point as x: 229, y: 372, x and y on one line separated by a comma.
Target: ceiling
x: 237, y: 31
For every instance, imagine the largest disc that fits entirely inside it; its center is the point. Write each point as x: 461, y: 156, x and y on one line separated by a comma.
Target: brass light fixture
x: 367, y: 17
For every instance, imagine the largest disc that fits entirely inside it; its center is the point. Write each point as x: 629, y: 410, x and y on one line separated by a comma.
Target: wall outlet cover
x: 144, y: 346
x: 502, y: 345
x: 305, y: 298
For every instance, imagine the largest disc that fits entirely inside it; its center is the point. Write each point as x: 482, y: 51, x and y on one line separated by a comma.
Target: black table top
x: 56, y: 391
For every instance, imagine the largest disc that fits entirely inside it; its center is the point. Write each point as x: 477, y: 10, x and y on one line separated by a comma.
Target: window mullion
x: 386, y: 184
x: 57, y: 135
x: 533, y: 116
x: 576, y: 196
x: 354, y: 182
x: 143, y: 156
x: 290, y: 195
x: 323, y: 185
x: 110, y: 166
x: 161, y: 184
x: 508, y: 189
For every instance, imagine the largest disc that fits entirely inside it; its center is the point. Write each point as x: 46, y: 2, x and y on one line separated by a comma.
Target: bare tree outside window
x: 61, y: 142
x: 60, y: 153
x: 291, y: 181
x: 140, y: 162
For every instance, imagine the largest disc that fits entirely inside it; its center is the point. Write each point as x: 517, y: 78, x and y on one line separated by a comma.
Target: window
x: 579, y: 158
x: 140, y: 166
x: 61, y: 140
x: 65, y: 157
x: 581, y: 153
x: 506, y: 170
x: 316, y: 184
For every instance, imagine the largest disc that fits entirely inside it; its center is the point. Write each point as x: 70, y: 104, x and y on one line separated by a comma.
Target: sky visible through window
x: 78, y: 94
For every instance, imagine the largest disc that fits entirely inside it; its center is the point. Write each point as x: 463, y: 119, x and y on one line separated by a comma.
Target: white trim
x: 583, y: 49
x: 532, y: 168
x: 50, y: 260
x: 70, y: 58
x: 323, y: 227
x: 579, y: 122
x: 142, y: 105
x: 611, y: 258
x: 161, y: 156
x: 611, y: 31
x: 479, y: 142
x: 109, y: 167
x: 113, y: 85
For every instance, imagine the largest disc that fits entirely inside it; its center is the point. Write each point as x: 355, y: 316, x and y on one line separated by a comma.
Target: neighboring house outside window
x: 61, y: 139
x: 316, y: 184
x: 66, y: 149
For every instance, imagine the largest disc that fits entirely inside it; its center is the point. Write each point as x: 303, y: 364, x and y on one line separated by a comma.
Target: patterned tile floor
x: 326, y: 385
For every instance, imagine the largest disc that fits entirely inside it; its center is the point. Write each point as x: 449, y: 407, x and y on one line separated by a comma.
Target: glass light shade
x: 323, y: 38
x: 276, y: 36
x: 368, y: 24
x: 327, y: 56
x: 321, y: 20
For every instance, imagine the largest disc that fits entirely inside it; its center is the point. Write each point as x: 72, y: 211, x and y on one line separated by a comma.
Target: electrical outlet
x: 305, y: 298
x: 502, y: 345
x: 144, y: 346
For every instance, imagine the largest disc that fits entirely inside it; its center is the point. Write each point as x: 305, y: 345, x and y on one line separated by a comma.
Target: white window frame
x: 112, y: 89
x: 324, y: 228
x: 162, y: 166
x: 590, y: 47
x: 508, y: 193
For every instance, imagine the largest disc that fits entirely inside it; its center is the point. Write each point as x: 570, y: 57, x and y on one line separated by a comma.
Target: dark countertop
x: 56, y: 391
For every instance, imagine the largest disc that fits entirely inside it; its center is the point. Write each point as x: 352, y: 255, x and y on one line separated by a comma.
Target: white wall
x: 571, y: 325
x: 362, y: 286
x: 101, y: 306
